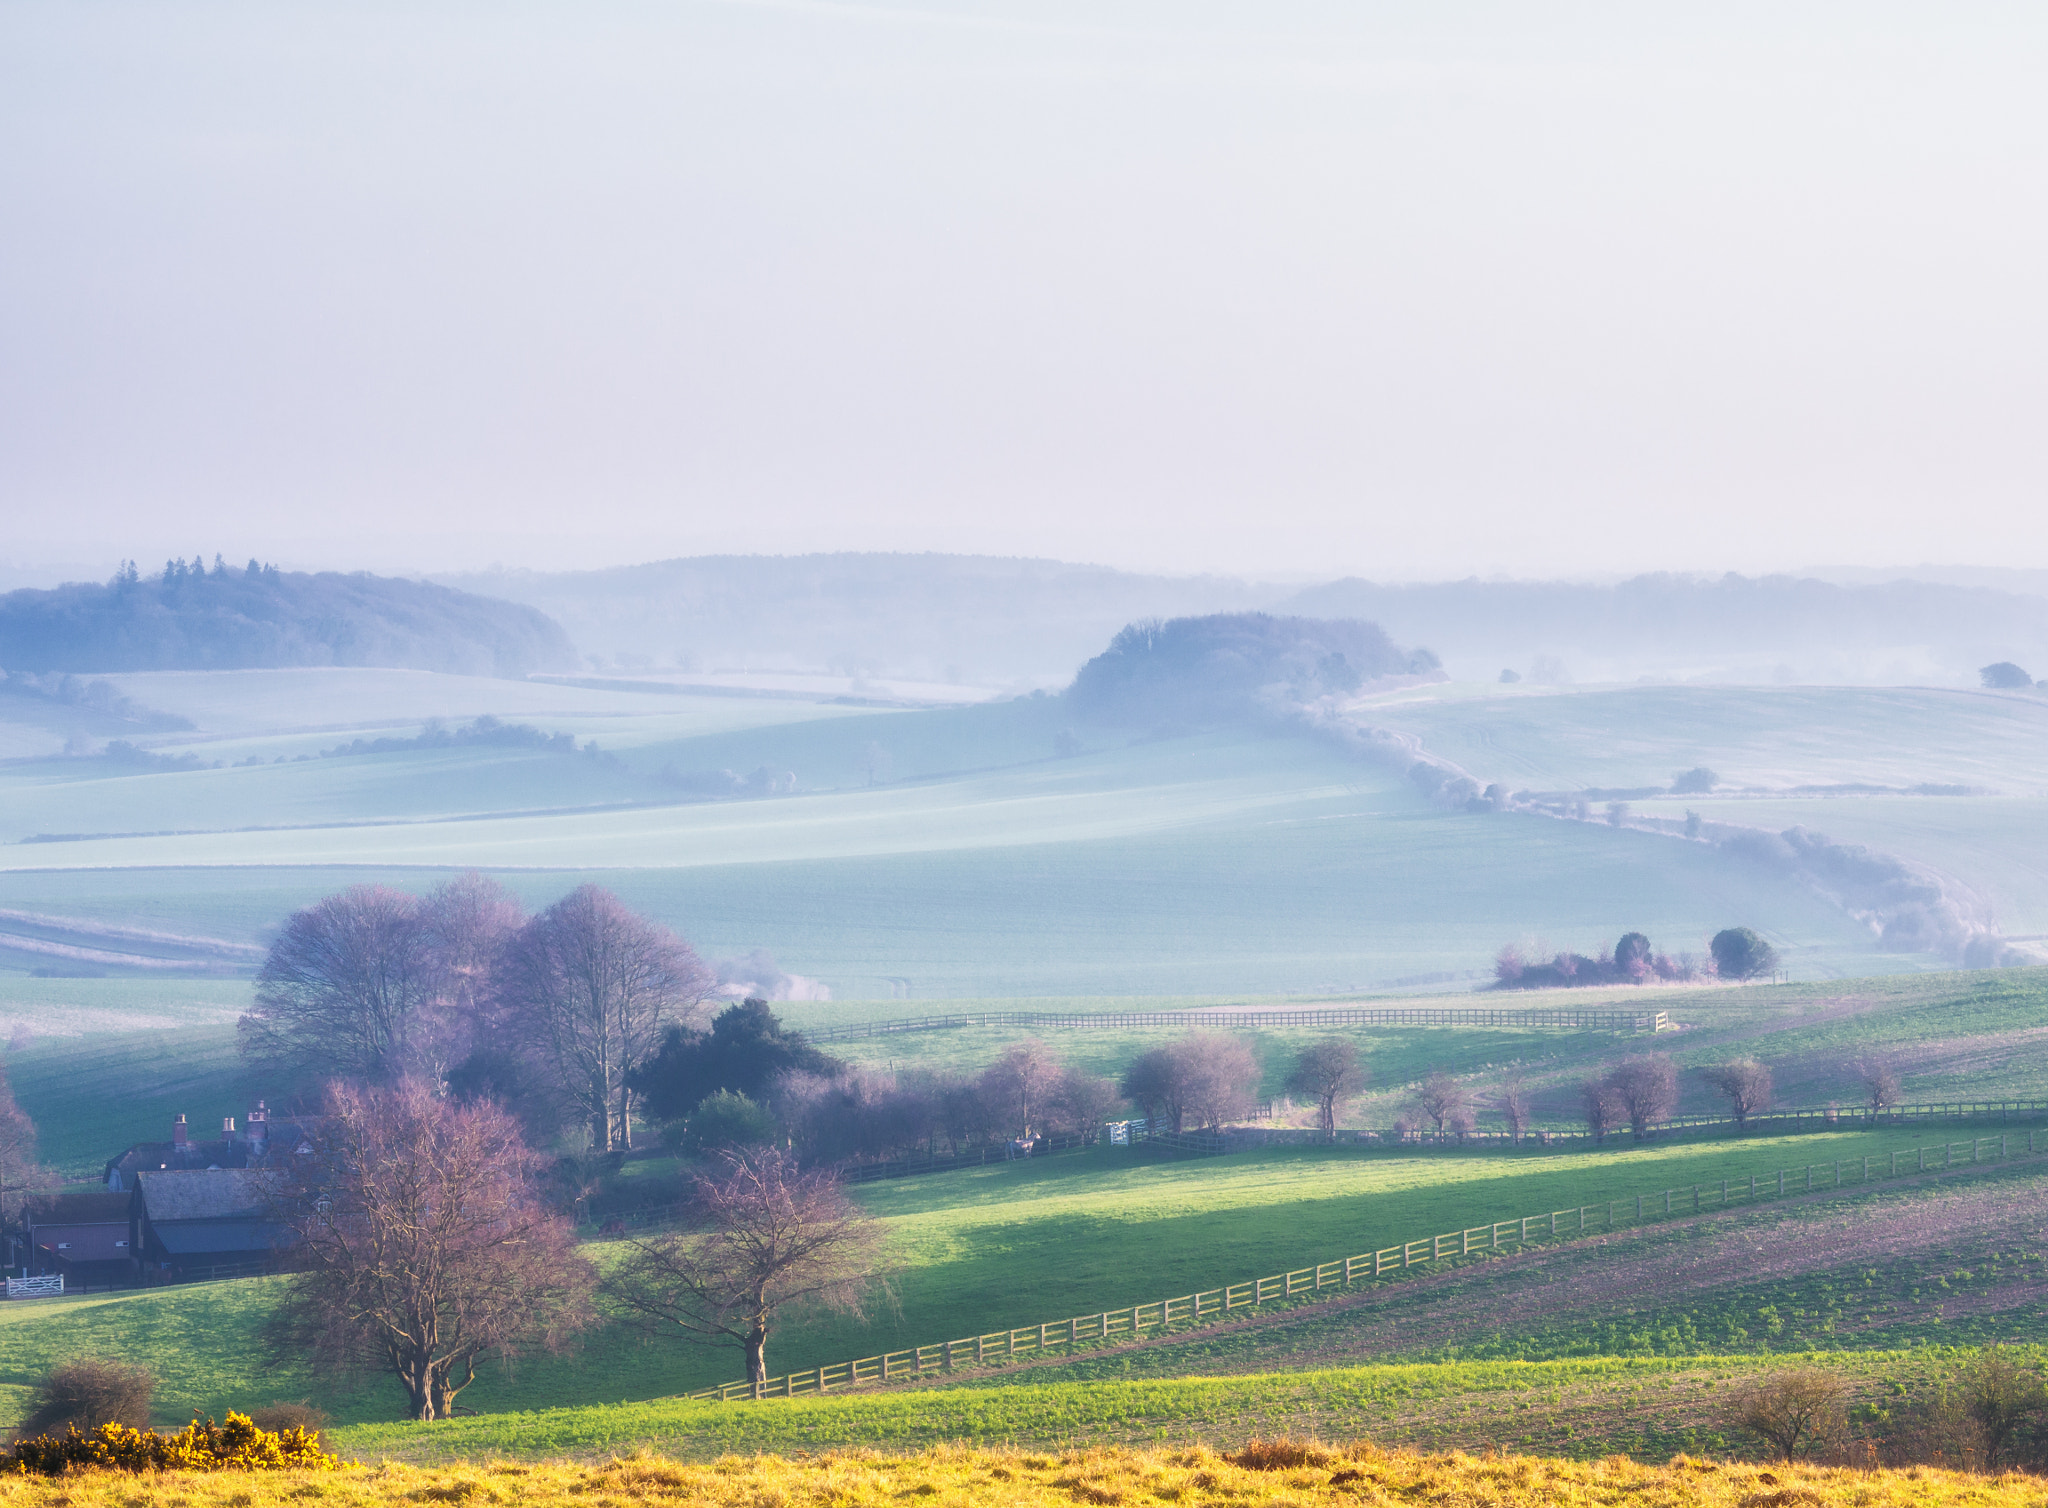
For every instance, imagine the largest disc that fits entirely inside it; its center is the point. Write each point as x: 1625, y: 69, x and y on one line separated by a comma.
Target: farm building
x: 187, y: 1219
x: 85, y: 1236
x: 254, y: 1146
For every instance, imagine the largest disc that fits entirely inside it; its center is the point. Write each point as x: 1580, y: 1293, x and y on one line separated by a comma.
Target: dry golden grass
x: 1283, y: 1474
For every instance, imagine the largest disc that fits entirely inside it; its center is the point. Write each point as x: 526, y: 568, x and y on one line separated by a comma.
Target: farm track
x: 1609, y: 1276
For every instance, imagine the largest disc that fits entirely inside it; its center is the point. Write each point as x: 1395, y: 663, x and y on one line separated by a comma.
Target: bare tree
x: 1603, y: 1111
x: 469, y: 921
x: 1744, y: 1083
x: 21, y: 1176
x: 1216, y: 1077
x: 1803, y: 1407
x: 769, y: 1237
x: 1880, y: 1080
x: 1646, y: 1090
x: 423, y: 1243
x: 348, y: 989
x: 1327, y: 1072
x: 1084, y: 1100
x: 1205, y: 1078
x: 590, y: 987
x: 1022, y: 1085
x: 1444, y: 1102
x: 1517, y: 1103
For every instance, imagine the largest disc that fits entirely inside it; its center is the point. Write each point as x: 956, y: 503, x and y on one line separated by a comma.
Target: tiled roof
x: 92, y: 1208
x: 217, y: 1194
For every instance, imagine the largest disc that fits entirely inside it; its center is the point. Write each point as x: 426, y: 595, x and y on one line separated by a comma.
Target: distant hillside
x: 976, y: 618
x: 189, y: 618
x: 1228, y: 665
x: 1727, y: 628
x: 1007, y: 622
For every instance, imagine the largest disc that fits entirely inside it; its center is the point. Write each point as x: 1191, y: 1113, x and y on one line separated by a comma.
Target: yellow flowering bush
x: 202, y: 1445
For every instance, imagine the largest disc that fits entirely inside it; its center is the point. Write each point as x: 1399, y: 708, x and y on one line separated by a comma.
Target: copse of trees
x: 552, y: 1016
x: 189, y: 617
x: 1632, y: 960
x: 745, y: 1052
x: 1202, y: 1081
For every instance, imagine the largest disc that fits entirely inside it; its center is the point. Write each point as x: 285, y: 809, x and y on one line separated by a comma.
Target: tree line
x: 1735, y: 953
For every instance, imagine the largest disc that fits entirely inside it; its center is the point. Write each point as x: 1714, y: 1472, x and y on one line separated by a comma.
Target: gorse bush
x: 202, y: 1445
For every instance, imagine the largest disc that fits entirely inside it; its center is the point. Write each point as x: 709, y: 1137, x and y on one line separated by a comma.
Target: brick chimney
x: 178, y: 1131
x: 227, y: 1128
x: 259, y: 1126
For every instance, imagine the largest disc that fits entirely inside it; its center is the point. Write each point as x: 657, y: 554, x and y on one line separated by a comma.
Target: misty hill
x: 1007, y: 622
x: 1730, y: 628
x: 1227, y: 665
x: 258, y: 617
x: 978, y: 618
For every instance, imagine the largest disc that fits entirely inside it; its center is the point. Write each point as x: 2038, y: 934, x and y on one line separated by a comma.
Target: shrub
x: 202, y: 1445
x: 1803, y: 1408
x: 87, y: 1394
x: 723, y: 1120
x: 1280, y: 1455
x: 276, y: 1418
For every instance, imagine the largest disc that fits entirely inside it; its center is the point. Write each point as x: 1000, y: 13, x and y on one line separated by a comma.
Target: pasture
x: 938, y: 853
x: 1012, y: 1244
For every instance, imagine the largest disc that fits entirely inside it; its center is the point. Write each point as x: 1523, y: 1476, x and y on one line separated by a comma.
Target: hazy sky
x: 1400, y: 290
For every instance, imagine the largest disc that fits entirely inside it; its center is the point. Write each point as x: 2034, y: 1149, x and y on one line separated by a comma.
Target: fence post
x: 1781, y: 1183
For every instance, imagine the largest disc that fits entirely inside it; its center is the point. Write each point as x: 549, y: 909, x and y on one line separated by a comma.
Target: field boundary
x: 1205, y: 1305
x: 1566, y: 1017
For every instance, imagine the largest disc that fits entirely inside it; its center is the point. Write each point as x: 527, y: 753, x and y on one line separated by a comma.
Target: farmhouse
x: 254, y: 1146
x: 206, y: 1218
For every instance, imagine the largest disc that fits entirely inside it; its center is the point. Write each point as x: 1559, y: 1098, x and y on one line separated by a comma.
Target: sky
x: 1280, y: 288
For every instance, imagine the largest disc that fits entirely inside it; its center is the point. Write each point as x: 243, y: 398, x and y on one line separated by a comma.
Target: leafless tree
x: 1444, y: 1102
x: 1327, y: 1072
x: 1517, y: 1103
x: 21, y: 1176
x: 1084, y: 1100
x: 1204, y: 1079
x: 1880, y: 1080
x: 768, y: 1237
x: 1022, y: 1085
x: 1744, y: 1083
x: 423, y: 1243
x: 590, y: 987
x: 1804, y: 1407
x: 1603, y: 1111
x: 469, y: 921
x: 1646, y: 1090
x: 348, y: 989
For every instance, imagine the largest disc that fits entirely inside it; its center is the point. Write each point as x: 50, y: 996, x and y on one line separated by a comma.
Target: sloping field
x: 1187, y: 866
x: 1008, y: 1245
x: 1564, y: 739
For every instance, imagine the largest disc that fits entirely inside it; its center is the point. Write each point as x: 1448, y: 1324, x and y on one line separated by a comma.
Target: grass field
x: 1028, y: 1479
x: 1012, y: 1244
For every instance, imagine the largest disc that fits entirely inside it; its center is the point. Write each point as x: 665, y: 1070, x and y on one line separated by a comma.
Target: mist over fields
x: 949, y: 777
x: 1009, y: 622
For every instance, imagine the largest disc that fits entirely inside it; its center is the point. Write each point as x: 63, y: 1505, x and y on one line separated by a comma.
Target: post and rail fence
x: 1565, y: 1016
x: 1138, y: 1320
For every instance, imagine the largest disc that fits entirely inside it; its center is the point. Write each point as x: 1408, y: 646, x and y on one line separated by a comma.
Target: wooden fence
x: 1214, y: 1303
x: 1614, y: 1021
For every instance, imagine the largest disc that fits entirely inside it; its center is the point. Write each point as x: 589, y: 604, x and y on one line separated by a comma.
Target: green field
x: 1008, y: 1245
x: 946, y: 853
